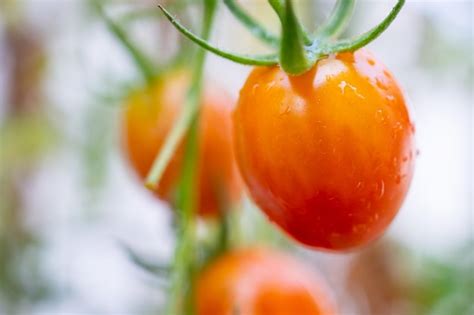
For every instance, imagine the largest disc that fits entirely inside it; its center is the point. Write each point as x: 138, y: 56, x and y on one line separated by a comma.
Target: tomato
x: 259, y: 281
x: 149, y: 116
x: 327, y: 155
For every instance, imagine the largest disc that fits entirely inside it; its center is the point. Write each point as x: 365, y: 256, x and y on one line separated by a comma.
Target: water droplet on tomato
x: 387, y: 74
x: 380, y: 84
x: 395, y: 161
x: 379, y: 115
x: 398, y: 179
x: 381, y: 187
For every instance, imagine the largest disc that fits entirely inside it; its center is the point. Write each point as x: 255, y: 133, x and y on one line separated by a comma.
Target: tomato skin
x: 150, y: 115
x: 328, y: 155
x: 259, y: 281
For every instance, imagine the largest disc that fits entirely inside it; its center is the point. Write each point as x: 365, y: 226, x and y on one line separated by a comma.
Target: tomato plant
x: 323, y: 135
x: 150, y: 114
x: 324, y: 142
x: 327, y: 155
x: 259, y: 281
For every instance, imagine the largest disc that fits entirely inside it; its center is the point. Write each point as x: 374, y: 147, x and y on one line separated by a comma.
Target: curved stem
x: 171, y: 143
x: 338, y: 19
x: 366, y: 38
x: 262, y: 60
x: 145, y: 263
x: 182, y: 274
x: 295, y: 56
x: 278, y: 6
x: 184, y: 260
x: 253, y: 26
x: 281, y: 9
x: 144, y: 13
x: 145, y: 66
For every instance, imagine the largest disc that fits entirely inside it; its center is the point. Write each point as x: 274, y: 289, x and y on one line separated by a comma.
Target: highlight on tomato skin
x: 260, y: 281
x: 149, y: 116
x: 327, y: 155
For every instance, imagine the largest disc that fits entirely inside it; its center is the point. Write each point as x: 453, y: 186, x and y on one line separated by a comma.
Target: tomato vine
x: 298, y: 51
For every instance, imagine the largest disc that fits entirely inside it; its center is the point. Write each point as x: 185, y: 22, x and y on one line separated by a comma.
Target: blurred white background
x: 83, y: 200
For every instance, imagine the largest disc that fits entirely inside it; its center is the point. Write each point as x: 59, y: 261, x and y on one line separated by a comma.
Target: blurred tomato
x: 327, y: 155
x: 148, y: 118
x: 260, y: 282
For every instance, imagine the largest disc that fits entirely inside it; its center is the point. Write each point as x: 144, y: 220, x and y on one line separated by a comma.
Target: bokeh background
x: 70, y: 206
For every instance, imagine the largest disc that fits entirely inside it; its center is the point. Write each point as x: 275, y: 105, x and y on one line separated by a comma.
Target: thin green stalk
x: 224, y: 232
x: 184, y: 121
x: 185, y: 252
x: 366, y: 38
x: 282, y: 8
x: 338, y: 19
x: 257, y: 60
x: 184, y: 261
x: 296, y: 56
x: 298, y: 51
x: 150, y: 12
x: 278, y: 6
x: 172, y: 141
x: 184, y: 257
x: 252, y: 25
x: 142, y: 62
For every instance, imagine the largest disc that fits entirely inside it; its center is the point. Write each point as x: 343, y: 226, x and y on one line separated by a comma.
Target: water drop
x: 380, y: 84
x: 382, y: 189
x: 398, y: 179
x: 387, y: 74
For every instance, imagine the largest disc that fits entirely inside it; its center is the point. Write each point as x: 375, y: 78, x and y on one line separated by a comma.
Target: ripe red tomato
x: 149, y: 116
x: 260, y: 282
x: 327, y: 155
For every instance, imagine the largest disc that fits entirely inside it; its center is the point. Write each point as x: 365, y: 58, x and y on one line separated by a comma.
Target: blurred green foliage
x: 444, y: 287
x: 23, y: 141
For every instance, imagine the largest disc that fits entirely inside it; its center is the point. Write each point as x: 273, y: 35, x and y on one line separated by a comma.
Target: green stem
x: 366, y: 38
x: 262, y: 60
x: 224, y: 232
x: 296, y: 56
x: 144, y: 13
x: 338, y: 19
x: 145, y: 66
x: 298, y: 51
x: 184, y: 121
x: 172, y: 141
x: 181, y: 274
x: 278, y: 6
x: 184, y: 260
x: 145, y: 263
x: 253, y: 26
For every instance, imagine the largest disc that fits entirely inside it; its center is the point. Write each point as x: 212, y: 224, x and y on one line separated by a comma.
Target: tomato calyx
x: 298, y: 51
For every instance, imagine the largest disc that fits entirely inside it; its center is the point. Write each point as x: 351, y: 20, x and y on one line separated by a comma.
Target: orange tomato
x: 149, y: 116
x: 260, y: 282
x: 327, y: 155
